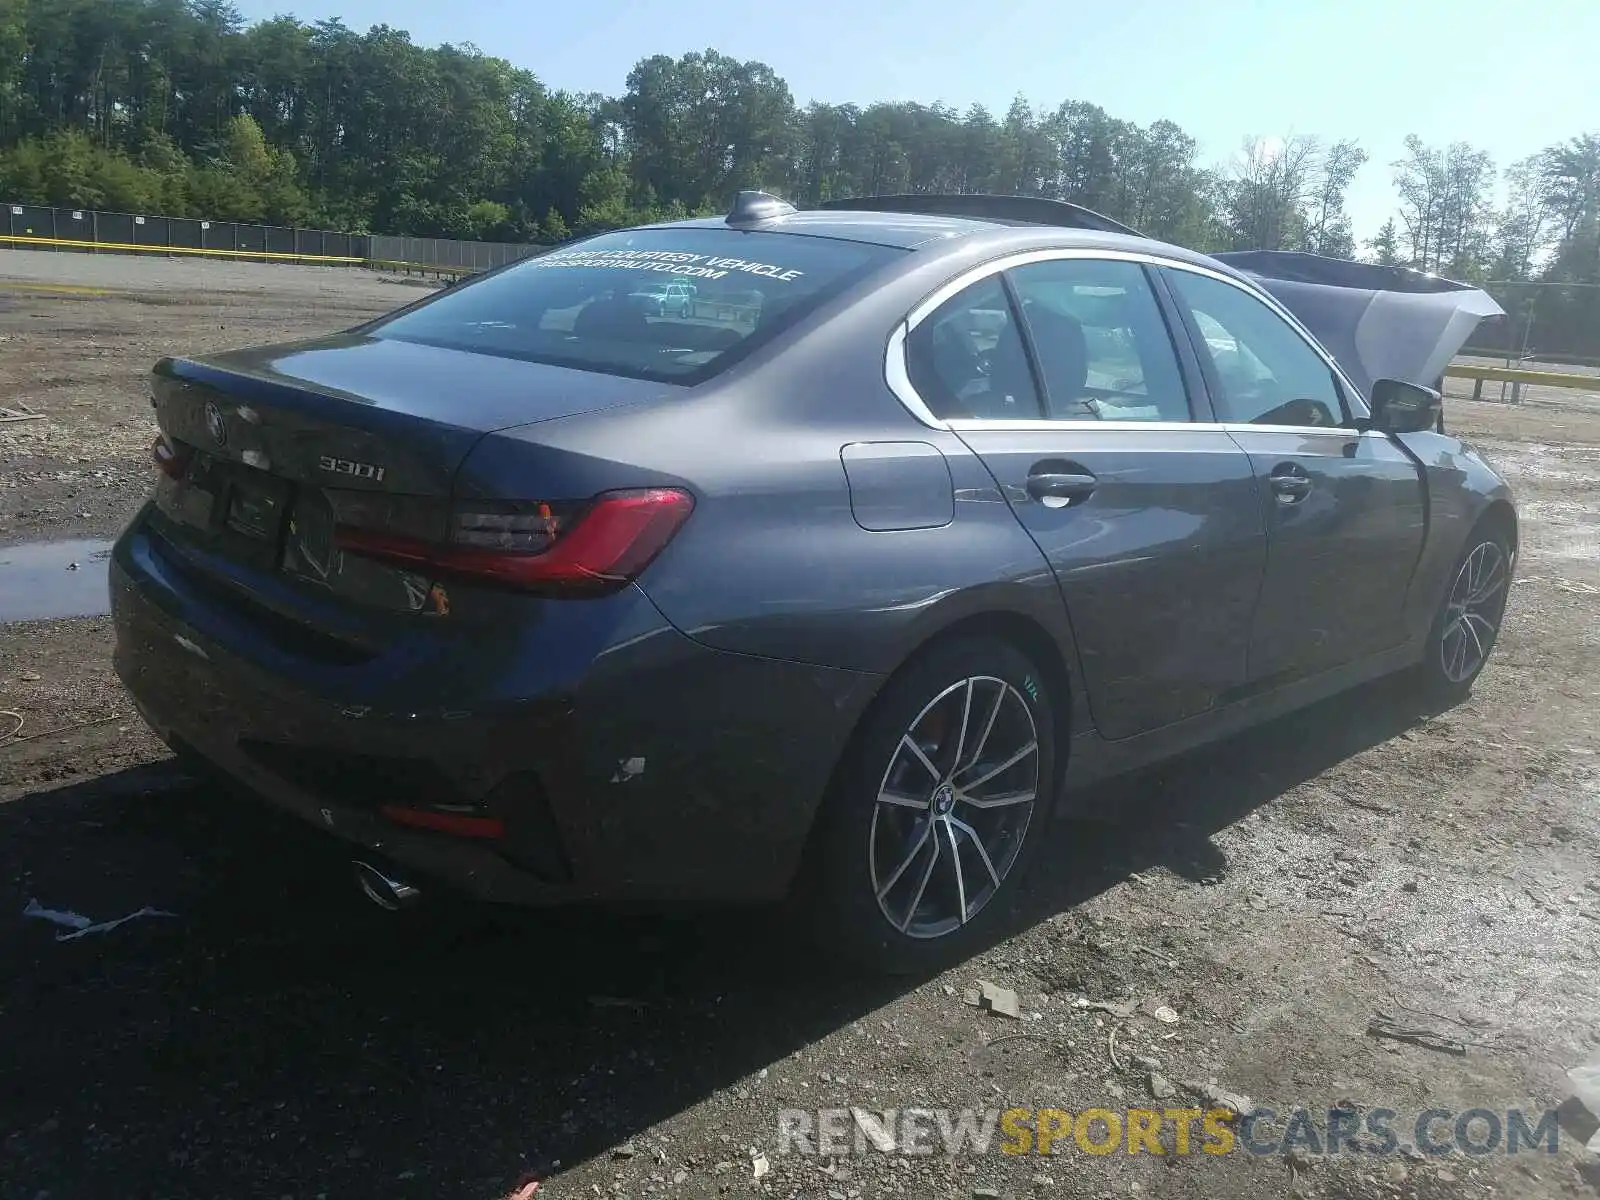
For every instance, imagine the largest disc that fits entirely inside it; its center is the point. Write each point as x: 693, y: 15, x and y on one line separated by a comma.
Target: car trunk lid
x: 273, y: 449
x: 1378, y: 322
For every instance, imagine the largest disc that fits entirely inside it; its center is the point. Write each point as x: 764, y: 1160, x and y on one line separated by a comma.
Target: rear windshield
x: 676, y: 305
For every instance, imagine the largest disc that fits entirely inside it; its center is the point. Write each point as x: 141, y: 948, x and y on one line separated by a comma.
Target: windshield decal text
x: 672, y: 262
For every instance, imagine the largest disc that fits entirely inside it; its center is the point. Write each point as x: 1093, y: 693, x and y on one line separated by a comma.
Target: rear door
x: 1062, y: 375
x: 1344, y: 509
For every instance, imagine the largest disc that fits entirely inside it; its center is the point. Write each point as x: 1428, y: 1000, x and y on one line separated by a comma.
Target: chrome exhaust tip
x: 391, y: 895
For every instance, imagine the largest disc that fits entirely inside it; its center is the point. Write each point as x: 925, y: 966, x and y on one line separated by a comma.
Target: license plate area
x: 256, y: 505
x: 234, y: 510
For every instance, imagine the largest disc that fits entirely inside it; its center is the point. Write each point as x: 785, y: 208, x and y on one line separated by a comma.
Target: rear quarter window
x: 677, y: 305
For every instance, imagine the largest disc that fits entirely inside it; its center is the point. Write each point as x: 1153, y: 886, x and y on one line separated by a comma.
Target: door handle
x: 1290, y: 483
x: 1061, y: 486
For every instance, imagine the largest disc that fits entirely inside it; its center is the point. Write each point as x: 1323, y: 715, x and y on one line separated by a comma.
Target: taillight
x: 558, y: 548
x: 169, y: 460
x: 445, y: 822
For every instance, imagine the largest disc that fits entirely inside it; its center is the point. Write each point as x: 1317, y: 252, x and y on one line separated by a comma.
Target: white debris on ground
x: 81, y: 925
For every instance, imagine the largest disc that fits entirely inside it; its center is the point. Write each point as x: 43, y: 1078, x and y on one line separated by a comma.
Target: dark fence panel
x: 152, y: 233
x: 251, y: 238
x: 75, y: 224
x: 1546, y: 322
x: 28, y: 221
x: 183, y: 232
x: 115, y: 228
x: 445, y: 252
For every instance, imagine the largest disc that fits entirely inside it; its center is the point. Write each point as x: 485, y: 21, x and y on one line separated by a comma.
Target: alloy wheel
x: 1473, y: 612
x: 953, y: 807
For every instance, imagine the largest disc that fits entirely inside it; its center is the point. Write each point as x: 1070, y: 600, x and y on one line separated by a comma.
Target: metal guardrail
x: 1519, y: 377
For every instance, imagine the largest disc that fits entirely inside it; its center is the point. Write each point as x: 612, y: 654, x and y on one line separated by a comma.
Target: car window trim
x: 1019, y: 320
x: 898, y: 378
x: 1202, y: 405
x: 978, y: 424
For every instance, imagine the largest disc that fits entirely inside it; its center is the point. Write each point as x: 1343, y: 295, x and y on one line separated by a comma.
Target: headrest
x: 1063, y: 351
x: 618, y: 319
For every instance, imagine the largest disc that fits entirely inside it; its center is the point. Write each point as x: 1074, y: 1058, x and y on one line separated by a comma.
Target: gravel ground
x: 78, y: 333
x: 275, y: 1038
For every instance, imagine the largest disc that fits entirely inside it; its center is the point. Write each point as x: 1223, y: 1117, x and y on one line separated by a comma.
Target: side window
x: 966, y: 358
x: 1267, y: 372
x: 1103, y: 347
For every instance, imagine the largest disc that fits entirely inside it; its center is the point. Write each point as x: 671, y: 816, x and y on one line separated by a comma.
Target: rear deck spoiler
x: 1021, y: 210
x: 1378, y: 322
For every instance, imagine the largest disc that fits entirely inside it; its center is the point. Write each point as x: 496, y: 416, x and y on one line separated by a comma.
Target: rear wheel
x: 942, y: 798
x: 1468, y: 622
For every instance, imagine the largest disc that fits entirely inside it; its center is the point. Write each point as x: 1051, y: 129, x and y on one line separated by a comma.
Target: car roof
x: 907, y: 231
x: 923, y: 231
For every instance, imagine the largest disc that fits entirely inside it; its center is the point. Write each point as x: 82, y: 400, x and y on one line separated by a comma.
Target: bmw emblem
x: 215, y: 425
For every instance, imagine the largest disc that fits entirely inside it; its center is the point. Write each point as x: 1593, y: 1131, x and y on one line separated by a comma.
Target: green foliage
x: 1385, y: 247
x: 177, y: 107
x: 553, y: 228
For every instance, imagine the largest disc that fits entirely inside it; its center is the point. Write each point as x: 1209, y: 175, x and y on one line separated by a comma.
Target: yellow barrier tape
x: 65, y: 289
x: 374, y: 263
x: 270, y: 255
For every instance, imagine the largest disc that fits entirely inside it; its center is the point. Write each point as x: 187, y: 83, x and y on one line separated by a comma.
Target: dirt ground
x: 275, y: 1037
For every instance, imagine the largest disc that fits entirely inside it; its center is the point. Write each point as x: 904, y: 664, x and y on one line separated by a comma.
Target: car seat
x: 1063, y: 358
x: 616, y: 319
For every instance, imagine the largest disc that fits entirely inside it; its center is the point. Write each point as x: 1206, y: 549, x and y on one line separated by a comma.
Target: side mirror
x: 1400, y: 407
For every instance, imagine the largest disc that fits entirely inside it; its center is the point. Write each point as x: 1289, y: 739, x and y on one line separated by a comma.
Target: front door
x: 1062, y: 377
x: 1343, y: 509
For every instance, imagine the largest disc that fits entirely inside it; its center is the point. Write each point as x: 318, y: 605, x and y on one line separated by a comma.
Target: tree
x: 1385, y: 247
x: 1328, y: 228
x: 1522, y: 226
x: 705, y: 125
x: 180, y: 107
x: 1267, y: 192
x: 13, y: 56
x: 245, y: 150
x: 1445, y: 206
x: 1571, y: 176
x: 1289, y: 194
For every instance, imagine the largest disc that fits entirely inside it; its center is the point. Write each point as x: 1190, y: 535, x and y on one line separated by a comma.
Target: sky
x: 1510, y: 79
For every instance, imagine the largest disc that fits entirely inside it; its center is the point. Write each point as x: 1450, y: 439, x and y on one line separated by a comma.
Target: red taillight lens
x: 443, y: 822
x: 560, y: 549
x: 169, y: 461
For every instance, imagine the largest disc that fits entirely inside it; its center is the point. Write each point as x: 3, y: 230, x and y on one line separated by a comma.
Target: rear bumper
x: 663, y: 771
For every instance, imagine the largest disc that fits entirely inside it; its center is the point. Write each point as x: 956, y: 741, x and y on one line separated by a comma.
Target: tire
x: 908, y: 835
x: 1467, y: 626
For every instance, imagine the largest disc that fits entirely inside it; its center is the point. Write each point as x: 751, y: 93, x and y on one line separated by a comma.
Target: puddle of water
x: 38, y: 580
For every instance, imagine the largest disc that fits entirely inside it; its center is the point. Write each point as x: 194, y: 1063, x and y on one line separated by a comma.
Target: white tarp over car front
x: 1379, y: 322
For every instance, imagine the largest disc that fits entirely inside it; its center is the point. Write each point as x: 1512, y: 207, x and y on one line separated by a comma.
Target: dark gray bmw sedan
x: 840, y: 575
